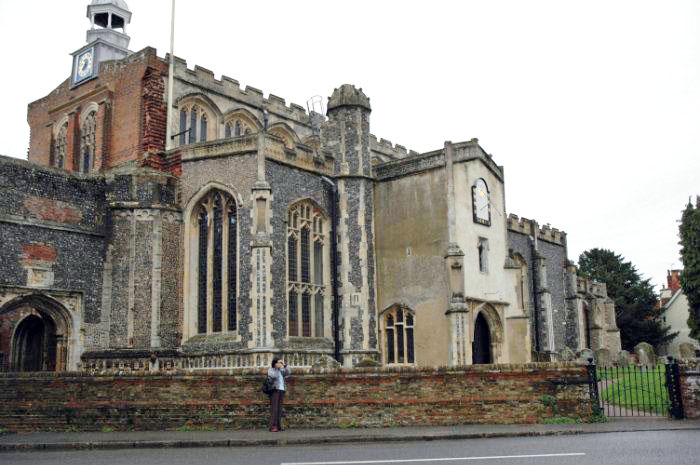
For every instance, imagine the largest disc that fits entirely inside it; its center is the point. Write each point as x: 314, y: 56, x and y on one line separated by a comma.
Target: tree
x: 690, y: 256
x: 635, y: 300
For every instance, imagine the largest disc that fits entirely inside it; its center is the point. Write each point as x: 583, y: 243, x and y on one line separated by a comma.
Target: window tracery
x: 217, y: 257
x: 59, y: 148
x: 87, y: 143
x: 194, y: 124
x: 398, y: 336
x: 307, y: 260
x: 235, y: 127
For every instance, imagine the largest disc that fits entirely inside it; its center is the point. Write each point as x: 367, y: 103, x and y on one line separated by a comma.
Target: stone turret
x: 346, y: 134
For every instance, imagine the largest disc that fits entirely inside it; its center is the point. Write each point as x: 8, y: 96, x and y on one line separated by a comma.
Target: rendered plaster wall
x: 411, y: 231
x: 52, y: 227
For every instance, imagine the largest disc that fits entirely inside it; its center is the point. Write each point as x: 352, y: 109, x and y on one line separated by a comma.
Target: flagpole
x: 171, y: 72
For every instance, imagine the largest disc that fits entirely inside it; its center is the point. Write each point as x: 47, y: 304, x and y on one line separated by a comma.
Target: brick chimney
x: 674, y: 280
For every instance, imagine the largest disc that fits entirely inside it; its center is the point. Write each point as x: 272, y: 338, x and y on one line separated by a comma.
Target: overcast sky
x: 592, y: 107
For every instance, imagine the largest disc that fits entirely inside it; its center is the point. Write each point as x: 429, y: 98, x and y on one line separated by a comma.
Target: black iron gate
x: 636, y: 390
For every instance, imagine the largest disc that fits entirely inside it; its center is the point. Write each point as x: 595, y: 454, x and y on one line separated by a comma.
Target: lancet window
x: 59, y: 147
x: 398, y: 336
x: 307, y: 270
x: 87, y: 143
x: 236, y: 127
x: 194, y: 124
x: 217, y: 258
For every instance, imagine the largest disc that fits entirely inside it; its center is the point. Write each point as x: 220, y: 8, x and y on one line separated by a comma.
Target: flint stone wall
x: 363, y: 397
x: 690, y: 389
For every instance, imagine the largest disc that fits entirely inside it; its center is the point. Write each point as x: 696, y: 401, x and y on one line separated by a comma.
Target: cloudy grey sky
x: 592, y: 107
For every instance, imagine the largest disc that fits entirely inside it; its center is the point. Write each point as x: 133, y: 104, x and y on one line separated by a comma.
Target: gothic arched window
x: 307, y: 262
x: 397, y: 323
x: 59, y: 147
x: 194, y: 124
x: 87, y: 143
x: 237, y: 126
x: 481, y: 203
x: 217, y: 263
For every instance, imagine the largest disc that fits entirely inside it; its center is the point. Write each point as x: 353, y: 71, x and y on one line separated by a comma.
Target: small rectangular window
x: 483, y: 255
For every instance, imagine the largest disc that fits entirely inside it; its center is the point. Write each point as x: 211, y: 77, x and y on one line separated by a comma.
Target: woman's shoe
x: 274, y: 430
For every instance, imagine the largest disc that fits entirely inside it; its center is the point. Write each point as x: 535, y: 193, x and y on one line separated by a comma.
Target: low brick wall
x: 690, y: 388
x: 362, y: 397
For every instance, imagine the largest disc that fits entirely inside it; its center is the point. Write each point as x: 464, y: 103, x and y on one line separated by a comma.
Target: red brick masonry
x: 333, y: 398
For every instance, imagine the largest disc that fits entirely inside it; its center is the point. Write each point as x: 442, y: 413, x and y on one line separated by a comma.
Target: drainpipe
x: 334, y: 265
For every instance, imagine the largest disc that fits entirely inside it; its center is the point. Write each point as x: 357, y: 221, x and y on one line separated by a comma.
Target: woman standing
x: 278, y: 371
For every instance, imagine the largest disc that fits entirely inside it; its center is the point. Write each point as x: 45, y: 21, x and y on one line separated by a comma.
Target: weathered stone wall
x: 346, y: 397
x: 52, y: 228
x: 690, y: 389
x: 290, y: 185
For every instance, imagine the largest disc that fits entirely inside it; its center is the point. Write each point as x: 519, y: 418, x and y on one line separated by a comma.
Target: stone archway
x: 40, y: 336
x: 481, y: 346
x: 34, y: 344
x: 488, y: 322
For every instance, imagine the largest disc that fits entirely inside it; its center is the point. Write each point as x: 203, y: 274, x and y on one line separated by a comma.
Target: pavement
x: 238, y: 438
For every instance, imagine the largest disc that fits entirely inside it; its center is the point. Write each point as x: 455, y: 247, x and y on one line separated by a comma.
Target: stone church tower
x: 262, y: 228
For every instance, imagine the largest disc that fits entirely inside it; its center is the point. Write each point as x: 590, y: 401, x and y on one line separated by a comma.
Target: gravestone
x: 584, y: 355
x: 602, y: 357
x: 567, y: 355
x: 687, y: 350
x: 645, y: 354
x: 624, y: 358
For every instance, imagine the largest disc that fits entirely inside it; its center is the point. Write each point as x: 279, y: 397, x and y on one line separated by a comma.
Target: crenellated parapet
x: 204, y: 79
x: 532, y: 228
x: 383, y: 150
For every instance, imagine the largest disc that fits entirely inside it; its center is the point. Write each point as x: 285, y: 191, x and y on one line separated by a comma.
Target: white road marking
x: 450, y: 459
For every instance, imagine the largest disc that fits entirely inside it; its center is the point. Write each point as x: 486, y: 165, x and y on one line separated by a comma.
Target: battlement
x: 387, y: 151
x: 530, y: 228
x: 230, y: 87
x: 589, y: 286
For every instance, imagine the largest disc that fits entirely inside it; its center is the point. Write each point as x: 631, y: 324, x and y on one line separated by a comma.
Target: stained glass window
x: 87, y: 143
x: 305, y: 255
x: 60, y: 147
x: 292, y: 260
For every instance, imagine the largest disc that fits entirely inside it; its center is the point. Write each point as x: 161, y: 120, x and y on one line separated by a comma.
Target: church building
x: 252, y: 227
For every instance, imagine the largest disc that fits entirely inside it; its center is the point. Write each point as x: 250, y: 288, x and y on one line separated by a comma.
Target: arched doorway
x: 40, y: 334
x: 481, y: 347
x: 34, y: 345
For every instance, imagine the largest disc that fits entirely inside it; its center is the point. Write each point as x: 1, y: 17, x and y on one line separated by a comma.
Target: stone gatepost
x: 346, y: 134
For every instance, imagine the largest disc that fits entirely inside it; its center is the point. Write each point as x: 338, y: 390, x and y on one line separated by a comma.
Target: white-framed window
x: 308, y: 271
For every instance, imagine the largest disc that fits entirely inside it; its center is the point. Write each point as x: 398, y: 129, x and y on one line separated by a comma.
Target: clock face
x: 481, y: 202
x: 84, y: 65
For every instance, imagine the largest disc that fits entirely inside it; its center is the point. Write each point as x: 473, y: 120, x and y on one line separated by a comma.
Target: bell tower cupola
x: 108, y: 19
x: 106, y: 39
